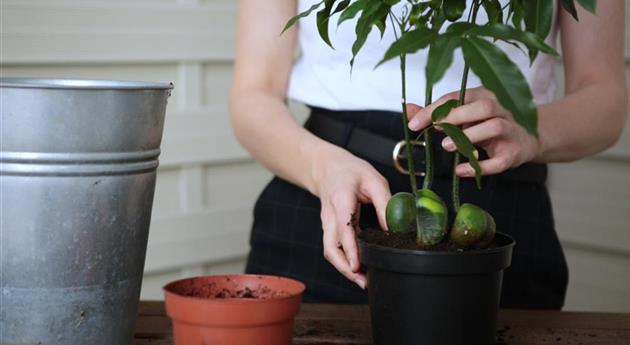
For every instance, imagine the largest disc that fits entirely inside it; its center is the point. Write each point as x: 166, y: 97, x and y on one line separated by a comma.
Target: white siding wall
x: 207, y: 184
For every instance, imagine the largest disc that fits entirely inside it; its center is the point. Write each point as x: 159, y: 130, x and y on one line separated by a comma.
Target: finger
x: 345, y: 207
x: 376, y: 190
x: 349, y: 244
x: 492, y: 166
x: 423, y: 117
x: 412, y: 109
x: 478, y: 110
x: 492, y: 128
x: 337, y: 258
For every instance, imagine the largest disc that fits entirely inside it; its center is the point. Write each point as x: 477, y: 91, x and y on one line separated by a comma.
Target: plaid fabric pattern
x: 286, y: 236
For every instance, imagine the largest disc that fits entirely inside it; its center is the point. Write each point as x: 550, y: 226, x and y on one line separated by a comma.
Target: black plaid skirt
x: 286, y: 237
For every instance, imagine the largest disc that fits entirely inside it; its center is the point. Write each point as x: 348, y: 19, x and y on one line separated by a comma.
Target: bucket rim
x: 82, y: 84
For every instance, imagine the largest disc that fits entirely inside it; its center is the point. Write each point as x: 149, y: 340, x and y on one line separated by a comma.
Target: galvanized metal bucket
x: 78, y: 163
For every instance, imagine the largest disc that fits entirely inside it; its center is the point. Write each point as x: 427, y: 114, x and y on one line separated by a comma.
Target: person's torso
x: 321, y: 76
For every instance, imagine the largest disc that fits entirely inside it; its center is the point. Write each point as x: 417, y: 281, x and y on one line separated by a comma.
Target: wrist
x: 317, y: 153
x: 541, y: 146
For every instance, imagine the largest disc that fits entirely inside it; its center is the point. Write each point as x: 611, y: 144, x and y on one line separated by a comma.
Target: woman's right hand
x: 342, y: 182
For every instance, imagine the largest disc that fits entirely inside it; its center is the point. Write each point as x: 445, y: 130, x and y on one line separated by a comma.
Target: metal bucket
x: 78, y: 163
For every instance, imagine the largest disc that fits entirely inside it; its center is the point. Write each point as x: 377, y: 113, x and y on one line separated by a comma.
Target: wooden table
x: 349, y: 325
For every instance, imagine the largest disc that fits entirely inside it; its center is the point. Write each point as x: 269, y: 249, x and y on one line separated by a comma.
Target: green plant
x: 440, y: 27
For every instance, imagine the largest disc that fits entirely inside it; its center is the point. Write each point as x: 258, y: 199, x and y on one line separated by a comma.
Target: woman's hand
x: 342, y: 182
x: 488, y: 125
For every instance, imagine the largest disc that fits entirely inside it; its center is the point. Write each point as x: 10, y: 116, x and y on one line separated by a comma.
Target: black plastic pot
x: 435, y: 297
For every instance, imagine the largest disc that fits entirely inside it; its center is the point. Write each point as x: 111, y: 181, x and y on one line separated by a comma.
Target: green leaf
x: 322, y: 21
x: 409, y: 43
x: 454, y: 9
x: 494, y: 11
x: 342, y: 6
x: 516, y: 12
x: 569, y: 6
x: 589, y: 5
x: 538, y: 14
x: 507, y: 33
x: 294, y: 19
x: 370, y: 17
x: 465, y: 147
x: 440, y: 57
x: 352, y: 11
x: 443, y: 110
x: 501, y: 76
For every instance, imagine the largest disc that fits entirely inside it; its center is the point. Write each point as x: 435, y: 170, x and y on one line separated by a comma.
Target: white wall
x: 206, y: 182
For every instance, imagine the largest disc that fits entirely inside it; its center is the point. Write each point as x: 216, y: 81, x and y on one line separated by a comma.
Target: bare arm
x: 264, y: 126
x: 260, y: 116
x: 592, y: 115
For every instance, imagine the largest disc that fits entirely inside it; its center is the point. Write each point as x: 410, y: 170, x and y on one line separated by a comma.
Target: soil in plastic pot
x: 437, y: 297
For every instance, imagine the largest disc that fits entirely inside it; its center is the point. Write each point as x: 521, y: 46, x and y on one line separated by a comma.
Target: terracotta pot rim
x: 300, y: 290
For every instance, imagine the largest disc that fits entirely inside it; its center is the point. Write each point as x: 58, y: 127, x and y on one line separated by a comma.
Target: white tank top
x: 321, y: 76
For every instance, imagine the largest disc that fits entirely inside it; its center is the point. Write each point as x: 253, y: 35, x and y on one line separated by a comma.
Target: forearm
x: 583, y: 123
x: 264, y: 125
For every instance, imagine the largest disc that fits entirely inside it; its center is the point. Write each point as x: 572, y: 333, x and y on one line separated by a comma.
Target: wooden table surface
x: 349, y: 325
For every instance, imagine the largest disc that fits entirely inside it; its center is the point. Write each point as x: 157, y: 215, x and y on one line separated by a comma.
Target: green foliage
x: 494, y: 11
x: 569, y: 6
x: 304, y: 14
x: 464, y: 147
x: 454, y: 9
x: 501, y: 76
x: 420, y: 26
x: 409, y: 43
x: 371, y: 16
x: 538, y: 15
x: 589, y: 5
x: 322, y: 21
x: 440, y: 57
x: 443, y: 110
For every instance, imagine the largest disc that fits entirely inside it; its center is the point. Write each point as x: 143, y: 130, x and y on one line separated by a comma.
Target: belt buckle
x: 398, y: 154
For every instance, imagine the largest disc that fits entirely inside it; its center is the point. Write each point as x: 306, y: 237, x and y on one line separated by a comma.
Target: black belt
x: 378, y: 148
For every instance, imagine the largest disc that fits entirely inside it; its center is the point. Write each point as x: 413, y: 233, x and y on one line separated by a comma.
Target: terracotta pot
x: 233, y: 309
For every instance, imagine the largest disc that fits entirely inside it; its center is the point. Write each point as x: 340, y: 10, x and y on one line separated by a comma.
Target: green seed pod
x: 491, y: 231
x: 400, y: 213
x: 432, y: 217
x: 473, y: 227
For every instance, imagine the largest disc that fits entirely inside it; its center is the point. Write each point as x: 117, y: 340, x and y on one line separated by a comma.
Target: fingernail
x: 351, y: 264
x: 414, y: 124
x: 468, y: 172
x: 360, y: 282
x: 448, y: 144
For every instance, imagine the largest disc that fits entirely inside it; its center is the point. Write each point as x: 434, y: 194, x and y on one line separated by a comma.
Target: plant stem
x: 462, y: 98
x: 428, y: 147
x: 410, y: 163
x: 403, y: 73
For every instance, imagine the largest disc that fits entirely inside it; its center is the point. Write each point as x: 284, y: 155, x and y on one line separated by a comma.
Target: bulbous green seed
x: 491, y: 231
x: 432, y: 217
x: 400, y: 213
x: 473, y: 227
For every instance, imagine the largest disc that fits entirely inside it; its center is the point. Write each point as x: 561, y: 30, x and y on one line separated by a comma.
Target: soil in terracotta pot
x: 405, y: 241
x: 201, y: 289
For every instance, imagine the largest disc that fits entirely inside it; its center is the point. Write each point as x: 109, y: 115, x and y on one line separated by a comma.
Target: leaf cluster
x: 522, y: 23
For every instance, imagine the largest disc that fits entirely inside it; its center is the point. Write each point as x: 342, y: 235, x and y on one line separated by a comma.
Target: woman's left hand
x: 488, y: 125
